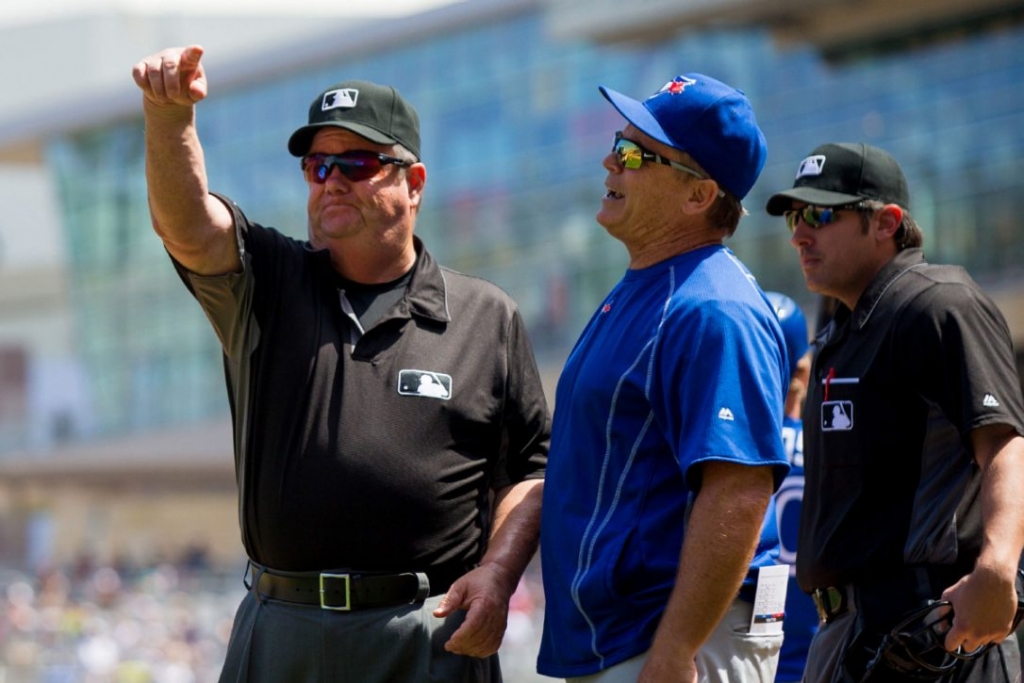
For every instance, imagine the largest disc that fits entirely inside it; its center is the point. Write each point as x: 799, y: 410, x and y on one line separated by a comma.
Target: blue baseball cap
x: 794, y: 326
x: 709, y: 120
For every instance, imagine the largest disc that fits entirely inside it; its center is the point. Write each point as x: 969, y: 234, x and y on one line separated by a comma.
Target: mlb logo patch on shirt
x: 836, y: 416
x: 425, y: 383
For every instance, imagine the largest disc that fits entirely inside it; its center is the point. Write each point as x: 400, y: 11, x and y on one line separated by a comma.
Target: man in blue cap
x: 667, y: 444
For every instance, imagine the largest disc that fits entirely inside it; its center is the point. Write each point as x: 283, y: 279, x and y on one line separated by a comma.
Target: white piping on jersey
x: 587, y: 544
x: 751, y: 280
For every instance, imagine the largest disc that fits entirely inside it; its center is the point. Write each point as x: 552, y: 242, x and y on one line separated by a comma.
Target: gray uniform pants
x: 277, y: 642
x: 731, y: 655
x: 999, y: 665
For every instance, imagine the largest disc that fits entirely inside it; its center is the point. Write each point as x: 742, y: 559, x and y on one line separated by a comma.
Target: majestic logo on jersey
x: 725, y: 414
x: 425, y: 383
x: 345, y: 98
x: 677, y: 85
x: 836, y: 416
x: 990, y: 401
x: 810, y: 166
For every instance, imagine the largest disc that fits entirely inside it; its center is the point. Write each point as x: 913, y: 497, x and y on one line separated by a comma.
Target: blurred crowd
x: 162, y: 623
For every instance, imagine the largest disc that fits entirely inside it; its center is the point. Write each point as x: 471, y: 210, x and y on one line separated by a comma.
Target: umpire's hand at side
x: 484, y: 592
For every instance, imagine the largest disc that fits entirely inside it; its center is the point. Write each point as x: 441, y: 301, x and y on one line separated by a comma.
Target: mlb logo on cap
x: 345, y: 98
x: 811, y: 166
x: 382, y: 117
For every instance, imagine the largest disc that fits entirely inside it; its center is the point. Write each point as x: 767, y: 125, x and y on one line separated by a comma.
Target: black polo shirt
x: 897, y: 386
x: 375, y: 450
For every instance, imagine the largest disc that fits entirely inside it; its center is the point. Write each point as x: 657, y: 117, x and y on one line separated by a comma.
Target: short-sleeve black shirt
x: 374, y: 451
x: 897, y: 386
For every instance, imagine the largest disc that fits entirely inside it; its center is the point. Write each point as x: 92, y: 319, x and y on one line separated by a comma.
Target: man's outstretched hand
x: 172, y: 77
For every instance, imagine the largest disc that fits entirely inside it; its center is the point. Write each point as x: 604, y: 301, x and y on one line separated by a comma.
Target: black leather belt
x: 341, y: 591
x: 832, y: 602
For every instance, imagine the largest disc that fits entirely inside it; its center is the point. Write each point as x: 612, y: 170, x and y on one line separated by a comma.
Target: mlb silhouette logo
x: 811, y: 166
x: 836, y: 416
x: 344, y: 98
x: 425, y: 383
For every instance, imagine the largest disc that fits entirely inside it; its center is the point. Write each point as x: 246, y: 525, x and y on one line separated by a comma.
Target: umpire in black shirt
x: 912, y: 441
x: 390, y: 427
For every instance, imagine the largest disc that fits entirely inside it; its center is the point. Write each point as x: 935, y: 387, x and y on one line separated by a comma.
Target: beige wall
x: 141, y: 523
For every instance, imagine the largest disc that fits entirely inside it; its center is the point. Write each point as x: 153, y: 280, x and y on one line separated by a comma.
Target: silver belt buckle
x: 347, y: 607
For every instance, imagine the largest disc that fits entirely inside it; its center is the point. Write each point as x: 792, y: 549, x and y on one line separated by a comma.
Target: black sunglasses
x: 355, y: 165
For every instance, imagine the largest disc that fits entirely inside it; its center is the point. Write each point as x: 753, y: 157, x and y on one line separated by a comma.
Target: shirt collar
x: 902, y: 263
x: 428, y: 291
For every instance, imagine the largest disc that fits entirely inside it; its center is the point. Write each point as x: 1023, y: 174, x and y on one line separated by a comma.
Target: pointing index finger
x: 192, y: 74
x: 190, y: 57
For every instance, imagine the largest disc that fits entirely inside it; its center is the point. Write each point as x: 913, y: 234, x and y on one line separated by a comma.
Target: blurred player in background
x: 801, y: 620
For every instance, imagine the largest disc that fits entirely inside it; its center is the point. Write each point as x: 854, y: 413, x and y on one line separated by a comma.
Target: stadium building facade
x: 514, y: 131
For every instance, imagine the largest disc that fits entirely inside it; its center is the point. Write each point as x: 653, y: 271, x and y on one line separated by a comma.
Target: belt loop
x: 423, y: 592
x: 255, y: 586
x: 923, y: 584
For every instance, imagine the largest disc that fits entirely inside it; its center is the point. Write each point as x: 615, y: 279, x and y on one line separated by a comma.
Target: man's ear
x: 700, y: 195
x: 416, y: 178
x: 890, y: 217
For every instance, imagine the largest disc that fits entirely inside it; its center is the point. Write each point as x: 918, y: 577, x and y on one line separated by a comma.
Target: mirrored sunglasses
x: 632, y: 155
x: 817, y: 217
x: 355, y: 165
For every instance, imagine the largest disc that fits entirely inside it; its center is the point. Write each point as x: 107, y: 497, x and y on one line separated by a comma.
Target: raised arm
x: 196, y: 228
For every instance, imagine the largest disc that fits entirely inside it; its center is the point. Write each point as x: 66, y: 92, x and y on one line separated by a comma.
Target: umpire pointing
x: 389, y: 423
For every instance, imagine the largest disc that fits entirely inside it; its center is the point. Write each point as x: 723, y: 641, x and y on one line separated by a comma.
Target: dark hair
x: 909, y: 233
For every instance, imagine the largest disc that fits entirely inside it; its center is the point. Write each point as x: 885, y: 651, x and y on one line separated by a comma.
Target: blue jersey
x: 680, y: 365
x: 801, y: 620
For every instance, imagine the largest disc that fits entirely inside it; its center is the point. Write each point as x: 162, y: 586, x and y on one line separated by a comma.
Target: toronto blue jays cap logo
x: 677, y: 85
